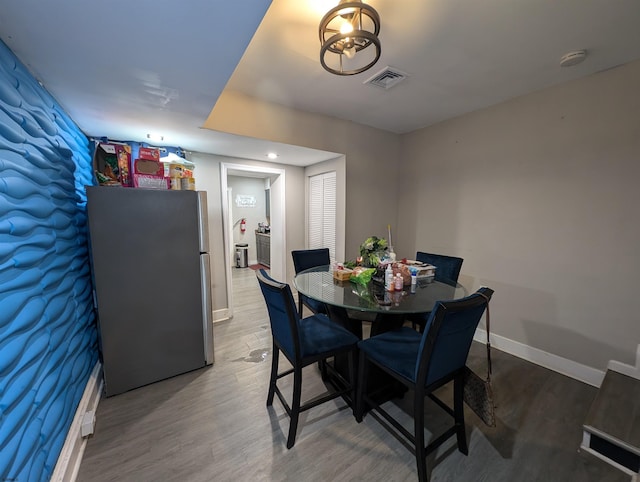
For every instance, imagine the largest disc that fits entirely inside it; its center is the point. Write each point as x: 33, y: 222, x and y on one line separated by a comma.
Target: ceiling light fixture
x: 272, y: 155
x: 346, y: 31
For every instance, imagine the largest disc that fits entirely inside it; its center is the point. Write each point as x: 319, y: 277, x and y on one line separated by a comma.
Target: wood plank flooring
x: 212, y: 424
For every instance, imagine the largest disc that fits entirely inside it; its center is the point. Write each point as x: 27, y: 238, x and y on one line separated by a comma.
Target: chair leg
x: 362, y: 386
x: 322, y: 366
x: 295, y: 406
x: 418, y: 428
x: 275, y: 355
x: 352, y: 381
x: 300, y: 306
x: 458, y: 411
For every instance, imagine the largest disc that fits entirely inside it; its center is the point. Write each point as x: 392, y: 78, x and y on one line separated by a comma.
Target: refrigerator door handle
x: 203, y: 222
x: 207, y: 313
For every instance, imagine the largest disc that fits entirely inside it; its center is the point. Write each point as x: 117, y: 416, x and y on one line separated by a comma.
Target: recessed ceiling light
x: 573, y: 58
x: 272, y: 155
x: 155, y: 137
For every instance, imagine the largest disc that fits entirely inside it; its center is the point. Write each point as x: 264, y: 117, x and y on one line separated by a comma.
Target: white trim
x: 68, y: 464
x: 553, y: 362
x: 612, y: 440
x: 221, y: 315
x: 629, y: 370
x: 278, y: 224
x: 227, y: 235
x: 586, y: 441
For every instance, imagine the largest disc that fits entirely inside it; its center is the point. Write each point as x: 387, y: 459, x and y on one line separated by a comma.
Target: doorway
x: 277, y: 216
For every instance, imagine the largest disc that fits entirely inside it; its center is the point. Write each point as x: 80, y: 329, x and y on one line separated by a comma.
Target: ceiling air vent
x: 387, y: 78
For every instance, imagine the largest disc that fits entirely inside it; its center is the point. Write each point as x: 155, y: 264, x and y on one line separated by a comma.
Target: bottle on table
x: 388, y: 278
x: 398, y: 282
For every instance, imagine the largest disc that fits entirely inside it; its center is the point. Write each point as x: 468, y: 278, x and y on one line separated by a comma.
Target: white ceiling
x: 123, y: 69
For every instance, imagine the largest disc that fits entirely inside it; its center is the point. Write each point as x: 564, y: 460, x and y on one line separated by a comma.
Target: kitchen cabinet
x: 263, y: 248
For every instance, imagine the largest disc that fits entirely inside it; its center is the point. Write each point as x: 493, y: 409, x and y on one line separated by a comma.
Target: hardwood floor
x: 212, y: 424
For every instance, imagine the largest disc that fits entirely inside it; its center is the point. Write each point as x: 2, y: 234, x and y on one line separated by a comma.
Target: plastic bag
x: 362, y: 275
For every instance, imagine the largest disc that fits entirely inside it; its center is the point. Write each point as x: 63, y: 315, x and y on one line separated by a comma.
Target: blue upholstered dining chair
x: 302, y: 342
x: 423, y: 363
x: 305, y: 259
x: 447, y: 267
x: 447, y: 271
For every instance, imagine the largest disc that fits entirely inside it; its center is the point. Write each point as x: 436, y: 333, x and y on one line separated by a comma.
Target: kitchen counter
x: 263, y: 248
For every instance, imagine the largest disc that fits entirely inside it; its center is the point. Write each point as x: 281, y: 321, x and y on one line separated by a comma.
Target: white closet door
x: 322, y: 212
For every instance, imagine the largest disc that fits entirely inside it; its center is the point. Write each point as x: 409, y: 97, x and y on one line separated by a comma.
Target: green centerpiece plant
x: 372, y: 251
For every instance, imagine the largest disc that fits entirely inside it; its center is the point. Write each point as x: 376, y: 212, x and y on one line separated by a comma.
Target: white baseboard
x: 68, y: 464
x: 629, y: 370
x: 221, y: 315
x: 553, y: 362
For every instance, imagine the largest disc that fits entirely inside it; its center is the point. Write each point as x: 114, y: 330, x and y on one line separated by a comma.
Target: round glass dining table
x: 319, y: 284
x: 387, y: 311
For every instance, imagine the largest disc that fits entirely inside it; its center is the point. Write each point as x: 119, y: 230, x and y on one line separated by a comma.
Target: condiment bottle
x: 388, y: 278
x: 398, y: 283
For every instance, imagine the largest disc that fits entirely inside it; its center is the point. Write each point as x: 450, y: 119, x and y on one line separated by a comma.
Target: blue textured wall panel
x: 48, y: 339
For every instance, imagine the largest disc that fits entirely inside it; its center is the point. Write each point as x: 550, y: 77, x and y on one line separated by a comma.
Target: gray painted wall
x: 372, y: 156
x: 539, y: 195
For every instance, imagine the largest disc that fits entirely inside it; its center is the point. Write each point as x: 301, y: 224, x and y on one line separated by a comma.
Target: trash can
x: 242, y: 255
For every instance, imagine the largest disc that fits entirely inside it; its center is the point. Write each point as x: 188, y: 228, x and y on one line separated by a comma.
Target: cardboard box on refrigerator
x: 149, y: 154
x: 112, y: 164
x: 145, y: 166
x: 149, y: 174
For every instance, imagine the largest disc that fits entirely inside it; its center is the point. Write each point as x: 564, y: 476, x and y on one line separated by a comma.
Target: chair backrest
x: 310, y: 258
x: 283, y: 315
x: 448, y: 335
x: 448, y: 267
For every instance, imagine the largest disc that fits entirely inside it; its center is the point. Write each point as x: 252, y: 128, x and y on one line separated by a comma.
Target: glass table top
x: 318, y: 283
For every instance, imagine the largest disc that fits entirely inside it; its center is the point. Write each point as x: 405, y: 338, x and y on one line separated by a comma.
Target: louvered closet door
x: 322, y: 212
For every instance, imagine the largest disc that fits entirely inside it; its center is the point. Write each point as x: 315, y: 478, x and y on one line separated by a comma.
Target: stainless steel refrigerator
x: 152, y: 283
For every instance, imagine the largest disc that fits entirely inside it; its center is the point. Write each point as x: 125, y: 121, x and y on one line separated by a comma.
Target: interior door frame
x: 278, y: 267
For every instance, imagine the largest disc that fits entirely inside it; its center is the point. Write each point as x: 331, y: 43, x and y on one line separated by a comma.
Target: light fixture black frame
x: 358, y: 38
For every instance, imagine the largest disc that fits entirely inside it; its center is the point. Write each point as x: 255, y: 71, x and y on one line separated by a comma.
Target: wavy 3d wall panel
x: 48, y: 339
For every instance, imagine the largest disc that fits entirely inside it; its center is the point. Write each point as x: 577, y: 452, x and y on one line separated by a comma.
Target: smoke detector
x: 573, y: 58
